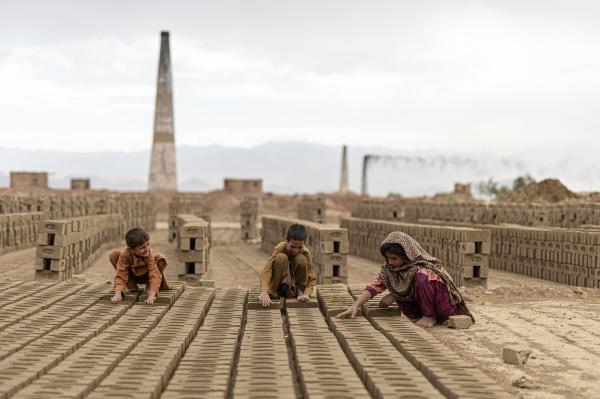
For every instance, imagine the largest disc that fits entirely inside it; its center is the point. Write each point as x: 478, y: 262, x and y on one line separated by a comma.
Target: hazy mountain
x: 304, y: 167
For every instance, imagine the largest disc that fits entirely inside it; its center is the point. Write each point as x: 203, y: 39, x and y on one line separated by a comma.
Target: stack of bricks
x: 312, y: 208
x: 561, y: 255
x: 192, y: 246
x: 189, y: 204
x: 66, y: 247
x: 554, y: 215
x: 464, y: 251
x: 379, y: 208
x: 328, y: 245
x: 249, y: 218
x: 18, y: 230
x: 136, y: 209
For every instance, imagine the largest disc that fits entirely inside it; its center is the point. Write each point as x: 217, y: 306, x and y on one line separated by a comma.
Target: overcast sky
x: 499, y: 76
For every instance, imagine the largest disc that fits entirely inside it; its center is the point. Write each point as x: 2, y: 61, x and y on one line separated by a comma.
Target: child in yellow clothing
x: 289, y: 272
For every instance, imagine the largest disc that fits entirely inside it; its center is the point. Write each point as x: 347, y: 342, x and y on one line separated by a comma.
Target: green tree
x: 522, y: 181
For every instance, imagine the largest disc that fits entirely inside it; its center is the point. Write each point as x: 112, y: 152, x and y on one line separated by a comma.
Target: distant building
x: 80, y: 184
x: 247, y: 187
x: 28, y: 179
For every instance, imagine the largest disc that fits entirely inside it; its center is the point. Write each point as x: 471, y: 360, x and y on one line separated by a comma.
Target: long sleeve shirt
x: 128, y: 262
x: 267, y: 270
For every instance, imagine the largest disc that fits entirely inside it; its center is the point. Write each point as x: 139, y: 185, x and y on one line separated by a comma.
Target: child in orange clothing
x: 138, y: 264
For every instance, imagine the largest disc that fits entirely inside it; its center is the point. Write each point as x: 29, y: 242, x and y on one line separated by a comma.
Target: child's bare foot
x: 426, y: 322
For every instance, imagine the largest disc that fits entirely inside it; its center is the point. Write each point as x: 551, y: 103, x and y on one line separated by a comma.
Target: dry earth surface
x: 558, y: 323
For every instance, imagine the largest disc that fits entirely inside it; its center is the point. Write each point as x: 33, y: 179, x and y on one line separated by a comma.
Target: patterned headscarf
x: 400, y: 281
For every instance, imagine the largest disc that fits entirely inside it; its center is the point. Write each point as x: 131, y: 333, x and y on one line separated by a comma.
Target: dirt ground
x: 558, y: 323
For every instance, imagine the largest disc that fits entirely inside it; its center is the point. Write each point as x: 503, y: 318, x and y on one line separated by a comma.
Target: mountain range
x: 299, y: 167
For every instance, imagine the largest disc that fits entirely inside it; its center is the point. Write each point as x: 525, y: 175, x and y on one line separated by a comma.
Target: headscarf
x: 400, y: 281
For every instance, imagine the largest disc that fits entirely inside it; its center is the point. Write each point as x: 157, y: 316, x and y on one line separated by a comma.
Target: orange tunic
x: 138, y: 266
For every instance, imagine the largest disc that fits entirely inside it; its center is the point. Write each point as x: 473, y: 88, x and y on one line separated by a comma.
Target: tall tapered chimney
x: 163, y: 172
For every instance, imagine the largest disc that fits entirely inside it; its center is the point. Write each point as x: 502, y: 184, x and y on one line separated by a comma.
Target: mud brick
x: 52, y: 252
x: 338, y: 247
x: 515, y: 355
x: 193, y: 231
x: 185, y: 244
x: 294, y: 303
x: 460, y: 322
x: 59, y: 227
x: 191, y: 256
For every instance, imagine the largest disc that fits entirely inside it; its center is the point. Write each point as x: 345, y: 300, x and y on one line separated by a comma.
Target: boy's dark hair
x: 296, y: 232
x: 136, y: 237
x: 394, y: 248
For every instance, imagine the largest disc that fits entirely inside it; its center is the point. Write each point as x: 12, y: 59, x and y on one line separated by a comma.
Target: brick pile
x: 18, y: 230
x: 68, y: 246
x: 193, y: 245
x: 136, y: 209
x: 567, y: 256
x: 312, y: 208
x: 323, y: 369
x: 328, y: 245
x: 155, y: 358
x: 464, y: 251
x: 373, y: 356
x: 249, y: 218
x: 263, y: 370
x: 526, y: 214
x: 206, y: 369
x: 189, y: 204
x: 444, y: 369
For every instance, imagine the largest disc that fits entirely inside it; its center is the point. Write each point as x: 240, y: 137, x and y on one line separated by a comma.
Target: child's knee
x: 161, y: 262
x: 301, y: 261
x: 281, y: 260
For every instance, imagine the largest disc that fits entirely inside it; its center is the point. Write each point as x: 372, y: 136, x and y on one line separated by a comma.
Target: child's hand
x: 264, y: 298
x: 351, y: 312
x: 386, y: 301
x: 303, y: 298
x: 151, y: 298
x: 117, y: 297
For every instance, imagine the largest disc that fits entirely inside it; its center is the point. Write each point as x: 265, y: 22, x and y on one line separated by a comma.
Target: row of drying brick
x: 18, y: 230
x: 464, y: 251
x: 80, y: 373
x: 15, y: 291
x: 16, y: 336
x: 383, y: 370
x: 263, y: 370
x: 557, y: 215
x: 323, y: 369
x: 205, y: 371
x: 135, y: 209
x: 568, y: 256
x: 36, y: 301
x: 444, y: 369
x: 312, y: 208
x: 328, y: 245
x: 36, y: 359
x: 146, y: 370
x: 68, y: 246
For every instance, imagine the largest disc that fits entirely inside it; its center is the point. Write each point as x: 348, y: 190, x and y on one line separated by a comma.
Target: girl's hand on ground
x: 303, y: 298
x: 351, y: 312
x: 264, y: 299
x: 386, y: 301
